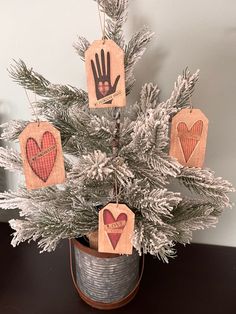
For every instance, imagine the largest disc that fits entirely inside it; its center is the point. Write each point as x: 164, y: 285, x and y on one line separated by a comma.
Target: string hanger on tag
x: 189, y: 98
x: 191, y: 103
x: 32, y: 107
x: 115, y: 150
x: 116, y: 191
x: 102, y: 21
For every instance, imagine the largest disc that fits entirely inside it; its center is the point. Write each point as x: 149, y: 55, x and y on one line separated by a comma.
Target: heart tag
x: 188, y: 137
x: 42, y: 155
x: 115, y: 229
x: 104, y: 62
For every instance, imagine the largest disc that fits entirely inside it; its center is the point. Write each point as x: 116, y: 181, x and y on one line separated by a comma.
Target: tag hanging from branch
x: 104, y: 61
x: 115, y: 229
x: 42, y: 155
x: 188, y: 137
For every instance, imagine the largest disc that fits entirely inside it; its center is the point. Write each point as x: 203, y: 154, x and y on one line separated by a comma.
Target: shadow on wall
x: 4, y: 184
x: 147, y: 69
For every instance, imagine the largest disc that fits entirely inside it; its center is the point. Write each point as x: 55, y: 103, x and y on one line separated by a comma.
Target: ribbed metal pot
x: 105, y: 281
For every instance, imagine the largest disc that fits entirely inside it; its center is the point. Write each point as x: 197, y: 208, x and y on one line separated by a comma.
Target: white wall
x: 199, y: 34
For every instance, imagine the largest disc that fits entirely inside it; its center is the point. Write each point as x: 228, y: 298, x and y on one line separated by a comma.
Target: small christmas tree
x: 101, y: 146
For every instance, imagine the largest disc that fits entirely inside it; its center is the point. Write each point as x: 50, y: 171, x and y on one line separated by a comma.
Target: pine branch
x: 50, y: 215
x: 186, y: 217
x: 12, y: 129
x: 29, y: 79
x: 114, y: 32
x: 149, y: 97
x: 94, y: 166
x: 133, y: 52
x: 203, y: 182
x: 51, y: 224
x: 185, y: 94
x: 10, y: 159
x: 157, y: 168
x: 190, y: 215
x: 158, y: 204
x: 153, y: 204
x: 150, y: 131
x: 183, y: 89
x: 148, y: 238
x: 29, y: 200
x: 98, y: 193
x: 54, y: 105
x: 82, y: 132
x: 136, y: 47
x: 59, y: 95
x: 143, y: 172
x: 116, y: 11
x: 97, y: 166
x: 81, y: 46
x: 163, y: 164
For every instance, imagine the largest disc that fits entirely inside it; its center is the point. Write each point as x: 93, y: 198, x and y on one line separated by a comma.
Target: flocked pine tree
x: 139, y: 159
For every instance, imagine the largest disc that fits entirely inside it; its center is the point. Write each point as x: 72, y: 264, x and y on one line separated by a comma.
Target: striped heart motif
x: 114, y: 227
x: 189, y: 138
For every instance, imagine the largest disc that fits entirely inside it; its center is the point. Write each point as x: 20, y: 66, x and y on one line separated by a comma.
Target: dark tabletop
x: 201, y: 280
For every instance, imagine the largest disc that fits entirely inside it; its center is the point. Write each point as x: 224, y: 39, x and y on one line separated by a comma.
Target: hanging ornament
x: 188, y: 137
x: 104, y: 62
x: 115, y: 229
x: 42, y: 156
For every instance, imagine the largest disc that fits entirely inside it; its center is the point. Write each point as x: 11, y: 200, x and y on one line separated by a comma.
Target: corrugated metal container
x: 105, y: 281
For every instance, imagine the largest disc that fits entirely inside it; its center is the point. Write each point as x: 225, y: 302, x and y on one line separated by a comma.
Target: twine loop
x: 102, y: 19
x: 32, y: 107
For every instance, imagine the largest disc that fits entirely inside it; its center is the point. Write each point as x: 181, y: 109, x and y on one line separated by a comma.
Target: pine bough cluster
x: 142, y: 167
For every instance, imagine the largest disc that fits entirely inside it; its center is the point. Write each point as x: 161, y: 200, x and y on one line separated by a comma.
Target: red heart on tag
x: 103, y: 88
x: 115, y: 226
x: 189, y: 138
x: 42, y: 160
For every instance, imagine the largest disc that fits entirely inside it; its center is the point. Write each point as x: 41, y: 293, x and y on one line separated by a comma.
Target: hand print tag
x: 104, y: 62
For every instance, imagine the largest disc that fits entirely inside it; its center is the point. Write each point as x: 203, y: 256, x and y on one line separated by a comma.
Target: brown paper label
x: 116, y: 225
x: 104, y: 62
x: 188, y: 137
x: 42, y: 155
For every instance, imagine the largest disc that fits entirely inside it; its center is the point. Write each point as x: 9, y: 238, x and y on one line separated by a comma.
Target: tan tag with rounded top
x: 42, y: 155
x: 188, y: 137
x: 115, y: 229
x: 104, y: 61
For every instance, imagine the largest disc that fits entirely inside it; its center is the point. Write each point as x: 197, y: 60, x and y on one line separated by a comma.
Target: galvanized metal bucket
x: 103, y: 280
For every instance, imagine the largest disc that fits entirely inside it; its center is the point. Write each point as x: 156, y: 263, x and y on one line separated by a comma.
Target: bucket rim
x: 91, y: 251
